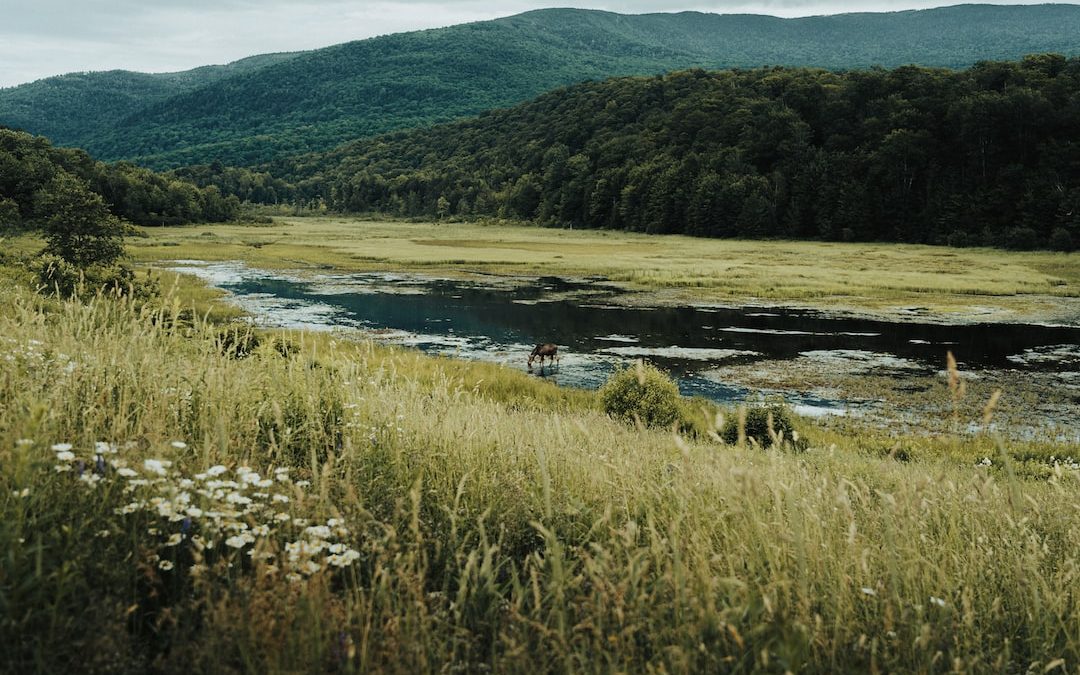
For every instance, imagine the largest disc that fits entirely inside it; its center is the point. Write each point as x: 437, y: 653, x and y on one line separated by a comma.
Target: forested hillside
x: 32, y: 172
x: 72, y: 109
x: 988, y: 155
x: 321, y: 99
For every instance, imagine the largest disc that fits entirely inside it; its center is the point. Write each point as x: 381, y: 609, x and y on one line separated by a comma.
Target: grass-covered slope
x: 323, y: 98
x: 340, y: 507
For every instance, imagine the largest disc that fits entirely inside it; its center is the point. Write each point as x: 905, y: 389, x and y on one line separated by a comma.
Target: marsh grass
x: 678, y: 269
x: 501, y: 524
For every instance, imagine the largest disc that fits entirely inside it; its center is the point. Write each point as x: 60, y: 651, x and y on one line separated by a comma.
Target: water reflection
x: 496, y: 321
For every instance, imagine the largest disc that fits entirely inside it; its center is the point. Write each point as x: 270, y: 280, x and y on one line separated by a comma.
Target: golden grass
x: 500, y: 524
x: 884, y: 278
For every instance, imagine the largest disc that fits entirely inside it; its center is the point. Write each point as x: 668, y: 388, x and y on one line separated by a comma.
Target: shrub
x: 759, y: 419
x: 237, y: 341
x: 56, y: 275
x: 1061, y: 240
x: 1022, y: 239
x: 642, y: 393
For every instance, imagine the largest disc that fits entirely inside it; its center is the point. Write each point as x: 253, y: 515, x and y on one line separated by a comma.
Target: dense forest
x: 74, y: 109
x: 262, y: 109
x: 34, y: 175
x: 989, y: 155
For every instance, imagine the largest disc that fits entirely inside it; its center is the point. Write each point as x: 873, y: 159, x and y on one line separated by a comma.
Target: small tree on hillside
x: 77, y: 224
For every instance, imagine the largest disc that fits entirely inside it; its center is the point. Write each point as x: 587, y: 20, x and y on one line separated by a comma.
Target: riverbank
x: 893, y: 282
x: 337, y: 505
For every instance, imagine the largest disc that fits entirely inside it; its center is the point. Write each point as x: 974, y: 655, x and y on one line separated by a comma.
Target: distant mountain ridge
x: 72, y: 108
x: 280, y: 105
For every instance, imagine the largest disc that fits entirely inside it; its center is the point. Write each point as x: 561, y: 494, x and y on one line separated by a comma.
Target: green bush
x: 1061, y: 240
x: 237, y: 341
x: 642, y: 393
x: 57, y: 275
x: 765, y: 424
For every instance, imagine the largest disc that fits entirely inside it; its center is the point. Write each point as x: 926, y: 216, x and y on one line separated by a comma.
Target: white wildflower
x: 165, y: 565
x: 65, y: 456
x: 937, y: 601
x: 179, y: 445
x: 868, y: 591
x: 174, y: 539
x: 62, y: 447
x: 126, y: 472
x: 343, y: 559
x: 157, y: 466
x: 216, y: 470
x: 236, y: 541
x: 320, y: 531
x: 237, y: 498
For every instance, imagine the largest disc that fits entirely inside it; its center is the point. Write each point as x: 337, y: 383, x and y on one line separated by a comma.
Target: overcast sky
x: 39, y: 38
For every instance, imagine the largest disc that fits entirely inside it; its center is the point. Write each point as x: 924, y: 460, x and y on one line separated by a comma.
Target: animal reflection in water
x: 548, y: 351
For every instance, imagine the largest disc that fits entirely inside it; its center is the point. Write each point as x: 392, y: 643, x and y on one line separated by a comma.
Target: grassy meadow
x: 329, y: 505
x: 886, y: 279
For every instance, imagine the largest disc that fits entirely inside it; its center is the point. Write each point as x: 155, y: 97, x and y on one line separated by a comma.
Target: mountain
x: 319, y: 99
x: 988, y: 155
x: 75, y: 108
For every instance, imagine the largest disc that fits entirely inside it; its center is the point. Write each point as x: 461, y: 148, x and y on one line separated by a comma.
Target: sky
x: 39, y: 38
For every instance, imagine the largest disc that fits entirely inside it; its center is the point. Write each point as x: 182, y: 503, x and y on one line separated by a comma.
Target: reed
x: 482, y: 521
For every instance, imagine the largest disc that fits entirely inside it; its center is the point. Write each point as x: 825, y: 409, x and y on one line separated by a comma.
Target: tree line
x: 38, y: 181
x: 989, y: 155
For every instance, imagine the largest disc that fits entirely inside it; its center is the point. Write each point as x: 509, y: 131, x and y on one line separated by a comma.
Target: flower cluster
x: 1065, y: 462
x: 228, y: 511
x: 35, y: 354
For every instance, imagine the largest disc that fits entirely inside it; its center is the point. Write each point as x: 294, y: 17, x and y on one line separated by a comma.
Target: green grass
x: 497, y: 523
x: 981, y: 284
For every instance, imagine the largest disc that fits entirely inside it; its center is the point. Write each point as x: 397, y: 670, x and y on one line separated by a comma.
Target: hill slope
x: 71, y: 109
x: 322, y: 98
x: 987, y: 155
x: 31, y: 168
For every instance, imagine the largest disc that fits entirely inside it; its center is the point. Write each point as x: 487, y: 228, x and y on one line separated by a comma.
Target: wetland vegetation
x: 345, y: 506
x: 211, y: 459
x: 330, y: 503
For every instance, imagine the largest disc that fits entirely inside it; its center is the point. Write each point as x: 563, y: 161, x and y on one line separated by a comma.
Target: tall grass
x: 498, y: 524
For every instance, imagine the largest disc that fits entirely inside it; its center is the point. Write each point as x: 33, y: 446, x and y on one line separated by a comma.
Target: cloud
x: 49, y: 37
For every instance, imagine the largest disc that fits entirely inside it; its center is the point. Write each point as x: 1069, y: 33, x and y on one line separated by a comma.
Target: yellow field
x: 890, y: 279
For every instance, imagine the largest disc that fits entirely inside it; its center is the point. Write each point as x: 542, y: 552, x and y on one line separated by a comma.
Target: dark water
x: 478, y: 320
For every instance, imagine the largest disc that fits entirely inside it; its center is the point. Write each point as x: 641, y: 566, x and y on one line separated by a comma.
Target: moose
x: 546, y: 350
